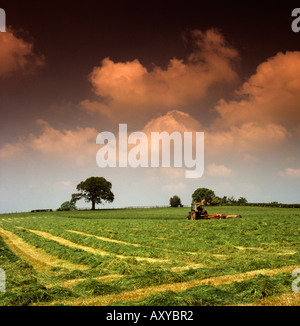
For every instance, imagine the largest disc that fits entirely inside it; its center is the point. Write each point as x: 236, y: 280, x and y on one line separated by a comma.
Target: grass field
x: 150, y: 257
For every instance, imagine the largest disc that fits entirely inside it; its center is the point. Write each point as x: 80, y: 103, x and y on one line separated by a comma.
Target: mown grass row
x: 25, y: 286
x: 261, y: 230
x: 242, y: 292
x: 212, y: 242
x: 261, y: 239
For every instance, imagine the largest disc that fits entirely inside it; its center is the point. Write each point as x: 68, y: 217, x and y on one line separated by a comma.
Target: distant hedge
x: 41, y: 210
x: 275, y: 204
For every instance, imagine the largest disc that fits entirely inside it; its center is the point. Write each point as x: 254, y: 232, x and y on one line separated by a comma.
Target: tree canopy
x: 175, y: 201
x: 208, y: 197
x: 95, y: 190
x: 67, y: 206
x: 203, y: 194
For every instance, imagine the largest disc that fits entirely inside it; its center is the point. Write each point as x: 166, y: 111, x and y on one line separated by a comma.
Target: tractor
x: 198, y: 212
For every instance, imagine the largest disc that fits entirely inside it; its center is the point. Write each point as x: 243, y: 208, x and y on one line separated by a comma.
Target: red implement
x: 217, y: 216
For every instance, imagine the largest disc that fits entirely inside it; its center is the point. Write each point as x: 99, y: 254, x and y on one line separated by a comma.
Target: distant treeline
x: 41, y: 210
x: 236, y: 203
x: 273, y: 204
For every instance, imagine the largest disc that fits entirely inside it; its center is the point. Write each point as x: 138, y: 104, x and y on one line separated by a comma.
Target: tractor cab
x: 197, y: 211
x: 194, y: 206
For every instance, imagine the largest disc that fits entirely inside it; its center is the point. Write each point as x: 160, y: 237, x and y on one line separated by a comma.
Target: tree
x: 203, y: 194
x: 231, y: 200
x: 242, y: 200
x: 94, y: 189
x: 215, y: 200
x: 224, y: 200
x: 175, y: 201
x: 67, y: 206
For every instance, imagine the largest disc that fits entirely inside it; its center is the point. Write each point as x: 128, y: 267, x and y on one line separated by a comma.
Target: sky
x: 69, y: 72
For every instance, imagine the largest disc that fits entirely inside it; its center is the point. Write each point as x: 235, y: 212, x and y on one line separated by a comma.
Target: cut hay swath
x: 149, y: 257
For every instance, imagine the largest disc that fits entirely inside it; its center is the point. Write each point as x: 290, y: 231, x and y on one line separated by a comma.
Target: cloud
x: 265, y: 116
x: 248, y: 158
x: 270, y: 96
x: 218, y: 170
x: 12, y: 150
x: 174, y: 120
x: 130, y: 89
x: 290, y: 173
x: 77, y: 145
x: 174, y: 187
x: 176, y: 123
x: 17, y: 55
x: 246, y: 141
x: 64, y: 185
x: 249, y: 137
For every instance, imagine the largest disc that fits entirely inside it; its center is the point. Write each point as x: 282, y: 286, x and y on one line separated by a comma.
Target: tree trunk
x: 93, y: 205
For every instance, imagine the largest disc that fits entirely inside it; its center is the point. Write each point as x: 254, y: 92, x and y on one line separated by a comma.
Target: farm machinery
x: 198, y: 212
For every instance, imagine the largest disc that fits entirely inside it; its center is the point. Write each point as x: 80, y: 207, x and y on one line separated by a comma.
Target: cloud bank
x: 263, y: 119
x: 270, y: 96
x: 76, y: 145
x: 127, y: 89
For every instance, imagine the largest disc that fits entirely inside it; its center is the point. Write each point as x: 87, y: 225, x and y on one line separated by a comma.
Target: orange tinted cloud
x: 12, y: 150
x: 129, y: 88
x: 271, y: 95
x: 77, y: 145
x: 174, y: 120
x: 17, y: 55
x: 216, y: 170
x: 290, y: 173
x: 246, y: 141
x: 249, y: 137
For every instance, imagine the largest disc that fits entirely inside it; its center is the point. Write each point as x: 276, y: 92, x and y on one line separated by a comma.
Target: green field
x: 150, y: 257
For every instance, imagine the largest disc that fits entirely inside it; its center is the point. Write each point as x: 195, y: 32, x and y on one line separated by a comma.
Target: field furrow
x: 176, y: 287
x: 39, y: 259
x: 89, y: 249
x: 105, y: 239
